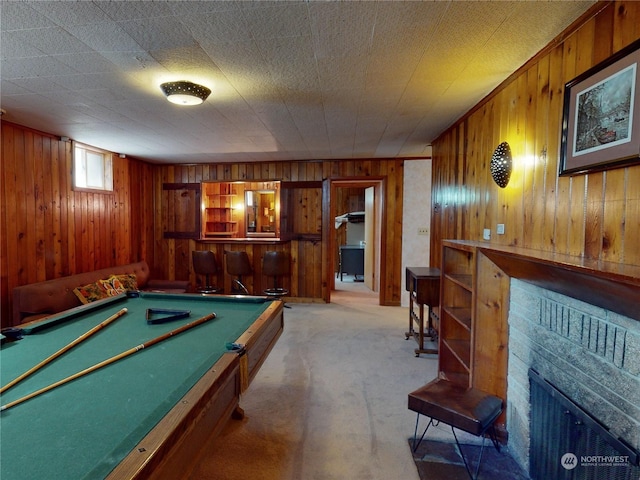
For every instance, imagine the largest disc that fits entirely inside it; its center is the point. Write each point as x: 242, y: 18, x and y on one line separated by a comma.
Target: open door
x: 374, y: 248
x: 369, y: 239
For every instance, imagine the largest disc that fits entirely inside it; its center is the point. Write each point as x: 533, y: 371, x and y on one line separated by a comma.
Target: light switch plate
x: 486, y: 234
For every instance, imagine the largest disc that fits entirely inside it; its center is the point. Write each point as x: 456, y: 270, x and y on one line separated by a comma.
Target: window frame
x: 107, y: 168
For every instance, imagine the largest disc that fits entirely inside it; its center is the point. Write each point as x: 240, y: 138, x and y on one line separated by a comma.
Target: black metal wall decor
x: 501, y: 164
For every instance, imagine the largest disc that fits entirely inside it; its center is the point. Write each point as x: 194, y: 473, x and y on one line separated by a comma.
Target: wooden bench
x: 467, y: 409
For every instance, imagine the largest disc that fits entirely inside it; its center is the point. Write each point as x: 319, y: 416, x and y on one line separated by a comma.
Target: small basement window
x: 92, y: 168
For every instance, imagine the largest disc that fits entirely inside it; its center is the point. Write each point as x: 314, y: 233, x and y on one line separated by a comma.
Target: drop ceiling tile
x: 105, y: 37
x: 220, y: 28
x: 158, y: 33
x: 18, y: 87
x: 66, y: 13
x: 332, y: 19
x: 203, y: 7
x: 87, y: 62
x: 22, y: 15
x: 80, y: 82
x: 120, y: 11
x: 187, y: 59
x: 16, y: 68
x: 12, y: 45
x: 37, y: 85
x: 335, y: 73
x: 53, y: 41
x: 278, y: 19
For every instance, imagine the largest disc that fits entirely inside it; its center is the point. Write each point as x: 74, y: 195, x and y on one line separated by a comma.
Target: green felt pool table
x: 142, y: 416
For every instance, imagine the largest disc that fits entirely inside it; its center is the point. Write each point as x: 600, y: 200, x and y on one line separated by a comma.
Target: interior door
x: 369, y: 239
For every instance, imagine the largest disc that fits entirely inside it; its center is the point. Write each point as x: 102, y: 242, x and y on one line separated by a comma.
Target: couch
x: 37, y: 300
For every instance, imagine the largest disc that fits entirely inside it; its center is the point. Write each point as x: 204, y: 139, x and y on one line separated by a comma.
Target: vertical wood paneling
x: 538, y: 160
x: 48, y: 229
x: 594, y: 215
x: 307, y: 279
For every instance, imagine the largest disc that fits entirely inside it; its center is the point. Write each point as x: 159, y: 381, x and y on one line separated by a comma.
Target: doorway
x: 371, y: 207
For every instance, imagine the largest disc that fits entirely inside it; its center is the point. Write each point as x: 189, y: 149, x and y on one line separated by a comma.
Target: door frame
x: 329, y: 186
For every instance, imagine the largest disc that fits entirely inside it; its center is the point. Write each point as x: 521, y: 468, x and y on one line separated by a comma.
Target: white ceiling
x: 290, y: 80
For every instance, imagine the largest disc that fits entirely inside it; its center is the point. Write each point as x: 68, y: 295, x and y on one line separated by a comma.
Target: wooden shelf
x: 473, y: 321
x: 218, y: 214
x: 456, y: 319
x: 460, y: 349
x: 219, y: 234
x: 461, y: 314
x: 465, y: 281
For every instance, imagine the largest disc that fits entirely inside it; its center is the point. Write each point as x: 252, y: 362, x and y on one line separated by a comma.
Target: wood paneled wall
x: 596, y: 215
x: 309, y: 257
x: 49, y: 230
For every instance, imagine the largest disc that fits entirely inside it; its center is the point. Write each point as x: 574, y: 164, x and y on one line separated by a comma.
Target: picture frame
x: 601, y: 115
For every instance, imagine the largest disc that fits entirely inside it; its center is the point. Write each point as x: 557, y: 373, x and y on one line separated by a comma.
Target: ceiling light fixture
x: 185, y: 93
x: 501, y: 164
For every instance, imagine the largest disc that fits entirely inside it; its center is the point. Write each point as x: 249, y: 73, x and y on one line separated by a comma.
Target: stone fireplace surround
x: 577, y: 322
x: 590, y: 353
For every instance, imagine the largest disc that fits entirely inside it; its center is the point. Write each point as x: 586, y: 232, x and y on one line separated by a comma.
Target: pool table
x: 146, y: 414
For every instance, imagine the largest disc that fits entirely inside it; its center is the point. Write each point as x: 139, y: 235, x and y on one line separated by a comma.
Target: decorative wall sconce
x: 185, y: 93
x: 501, y: 164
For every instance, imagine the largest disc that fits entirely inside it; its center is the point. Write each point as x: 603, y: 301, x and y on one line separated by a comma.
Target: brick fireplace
x: 591, y: 354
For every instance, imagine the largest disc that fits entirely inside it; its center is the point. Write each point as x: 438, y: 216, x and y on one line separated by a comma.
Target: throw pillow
x: 129, y: 281
x: 112, y: 286
x: 91, y: 292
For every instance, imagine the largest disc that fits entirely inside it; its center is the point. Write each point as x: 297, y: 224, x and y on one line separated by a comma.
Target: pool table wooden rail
x: 171, y: 448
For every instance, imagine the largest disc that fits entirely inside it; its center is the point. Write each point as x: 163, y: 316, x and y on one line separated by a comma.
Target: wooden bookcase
x: 219, y: 212
x: 456, y: 306
x: 474, y: 307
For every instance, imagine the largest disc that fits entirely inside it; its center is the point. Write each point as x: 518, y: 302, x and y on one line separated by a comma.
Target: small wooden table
x: 423, y: 285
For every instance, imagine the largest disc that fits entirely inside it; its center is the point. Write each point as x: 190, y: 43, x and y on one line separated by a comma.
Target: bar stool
x: 238, y: 265
x: 204, y: 263
x: 467, y: 409
x: 276, y: 265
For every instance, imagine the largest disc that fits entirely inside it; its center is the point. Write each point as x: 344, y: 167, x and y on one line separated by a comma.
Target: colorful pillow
x: 129, y: 281
x: 91, y: 292
x: 109, y: 287
x: 112, y: 286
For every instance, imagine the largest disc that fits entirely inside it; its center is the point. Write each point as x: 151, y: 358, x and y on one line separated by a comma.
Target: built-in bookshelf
x: 219, y: 210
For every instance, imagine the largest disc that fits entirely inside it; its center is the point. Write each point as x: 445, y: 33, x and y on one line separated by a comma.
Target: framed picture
x: 601, y: 116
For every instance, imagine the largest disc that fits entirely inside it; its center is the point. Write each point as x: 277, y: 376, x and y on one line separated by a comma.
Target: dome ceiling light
x: 185, y: 93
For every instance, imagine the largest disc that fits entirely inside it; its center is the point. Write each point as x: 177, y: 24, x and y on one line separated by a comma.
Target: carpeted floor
x: 330, y: 401
x: 436, y: 460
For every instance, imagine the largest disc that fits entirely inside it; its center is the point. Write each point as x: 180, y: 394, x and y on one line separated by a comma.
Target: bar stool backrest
x: 204, y: 262
x: 275, y: 264
x: 238, y: 263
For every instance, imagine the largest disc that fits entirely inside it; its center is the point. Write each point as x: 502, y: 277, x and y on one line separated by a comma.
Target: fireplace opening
x: 566, y: 442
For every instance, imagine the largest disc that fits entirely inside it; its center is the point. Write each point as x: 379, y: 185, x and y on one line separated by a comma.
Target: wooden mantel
x: 612, y: 286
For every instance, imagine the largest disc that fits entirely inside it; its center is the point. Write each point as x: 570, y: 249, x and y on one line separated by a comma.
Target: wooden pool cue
x: 66, y: 348
x: 108, y: 361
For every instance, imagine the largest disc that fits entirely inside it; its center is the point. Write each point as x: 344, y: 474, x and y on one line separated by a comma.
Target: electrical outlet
x: 500, y: 229
x: 486, y: 234
x: 423, y: 231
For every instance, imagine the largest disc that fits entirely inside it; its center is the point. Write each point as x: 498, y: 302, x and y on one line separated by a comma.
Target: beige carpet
x: 330, y: 402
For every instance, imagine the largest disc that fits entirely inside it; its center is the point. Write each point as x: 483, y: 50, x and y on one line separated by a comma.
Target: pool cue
x: 66, y: 348
x: 113, y: 359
